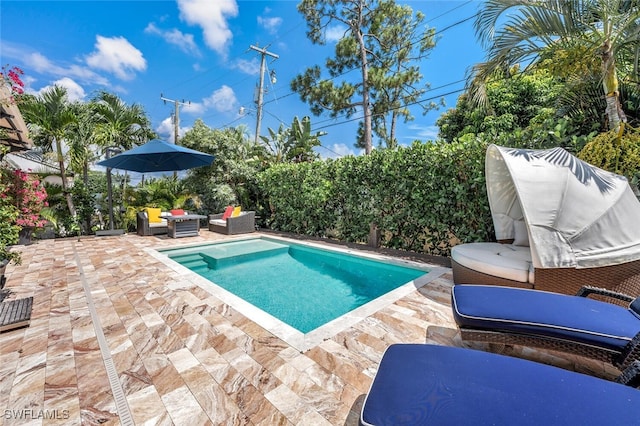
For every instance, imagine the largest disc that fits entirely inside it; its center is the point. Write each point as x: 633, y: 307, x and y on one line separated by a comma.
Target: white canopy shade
x: 577, y: 215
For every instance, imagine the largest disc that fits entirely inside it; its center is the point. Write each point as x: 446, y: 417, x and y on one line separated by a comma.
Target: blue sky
x: 198, y: 51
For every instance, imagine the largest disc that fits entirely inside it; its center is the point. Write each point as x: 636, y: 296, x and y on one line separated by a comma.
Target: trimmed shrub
x: 424, y: 198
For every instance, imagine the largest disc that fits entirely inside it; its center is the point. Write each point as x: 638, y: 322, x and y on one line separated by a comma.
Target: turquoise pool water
x: 302, y: 286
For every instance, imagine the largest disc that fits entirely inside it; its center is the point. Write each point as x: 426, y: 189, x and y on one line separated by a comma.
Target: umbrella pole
x: 109, y: 151
x: 110, y: 196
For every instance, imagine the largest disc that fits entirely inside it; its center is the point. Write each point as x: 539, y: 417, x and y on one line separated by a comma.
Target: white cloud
x: 251, y: 67
x: 193, y: 108
x: 75, y: 92
x: 166, y: 130
x: 183, y: 41
x: 211, y: 16
x: 116, y: 55
x: 337, y: 150
x: 422, y: 133
x: 334, y: 33
x: 222, y: 100
x: 270, y: 24
x: 44, y: 65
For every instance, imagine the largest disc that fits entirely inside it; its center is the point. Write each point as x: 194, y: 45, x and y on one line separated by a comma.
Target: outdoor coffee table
x: 187, y: 225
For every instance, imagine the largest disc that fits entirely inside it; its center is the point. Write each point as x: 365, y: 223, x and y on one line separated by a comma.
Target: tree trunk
x: 392, y: 133
x: 63, y: 176
x: 615, y: 114
x: 357, y: 31
x: 85, y: 178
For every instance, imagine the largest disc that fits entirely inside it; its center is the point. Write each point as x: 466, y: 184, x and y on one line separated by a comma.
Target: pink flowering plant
x: 28, y: 195
x: 12, y: 77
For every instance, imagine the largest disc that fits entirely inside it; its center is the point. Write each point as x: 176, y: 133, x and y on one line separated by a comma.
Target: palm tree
x: 119, y: 126
x: 50, y: 118
x: 80, y: 139
x: 516, y: 31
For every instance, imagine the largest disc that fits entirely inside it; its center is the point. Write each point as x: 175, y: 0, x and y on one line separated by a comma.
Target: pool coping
x: 298, y: 340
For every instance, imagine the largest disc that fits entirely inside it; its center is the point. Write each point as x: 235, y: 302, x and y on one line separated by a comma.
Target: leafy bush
x: 9, y: 231
x: 616, y: 154
x: 424, y: 198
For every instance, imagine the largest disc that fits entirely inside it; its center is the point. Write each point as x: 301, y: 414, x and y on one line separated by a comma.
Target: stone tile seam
x: 124, y: 411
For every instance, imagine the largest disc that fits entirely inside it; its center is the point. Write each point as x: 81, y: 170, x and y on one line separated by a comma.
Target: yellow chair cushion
x: 153, y: 214
x: 236, y: 212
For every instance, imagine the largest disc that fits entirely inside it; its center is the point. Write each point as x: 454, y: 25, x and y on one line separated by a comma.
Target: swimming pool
x: 305, y: 292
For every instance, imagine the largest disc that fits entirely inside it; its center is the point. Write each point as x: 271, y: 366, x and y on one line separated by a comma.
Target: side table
x: 187, y: 225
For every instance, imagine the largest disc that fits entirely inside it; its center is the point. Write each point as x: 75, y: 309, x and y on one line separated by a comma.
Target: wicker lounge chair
x: 242, y: 224
x: 15, y: 313
x: 623, y: 278
x: 573, y: 324
x: 425, y: 384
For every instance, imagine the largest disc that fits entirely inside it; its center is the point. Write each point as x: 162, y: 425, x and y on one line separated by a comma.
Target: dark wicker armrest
x: 630, y: 353
x: 631, y: 375
x: 586, y: 290
x: 142, y: 224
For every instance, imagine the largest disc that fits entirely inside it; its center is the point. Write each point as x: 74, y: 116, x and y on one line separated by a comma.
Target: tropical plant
x: 50, y: 117
x: 517, y: 100
x: 119, y: 125
x: 524, y: 114
x: 29, y: 197
x: 524, y: 31
x: 166, y: 192
x: 233, y: 171
x: 9, y: 230
x: 616, y: 153
x: 294, y: 144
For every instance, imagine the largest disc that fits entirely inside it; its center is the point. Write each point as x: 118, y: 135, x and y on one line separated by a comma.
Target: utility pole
x: 263, y: 52
x: 176, y: 122
x: 176, y: 116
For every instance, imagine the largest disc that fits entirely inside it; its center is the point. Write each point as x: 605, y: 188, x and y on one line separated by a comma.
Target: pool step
x: 239, y: 252
x: 190, y: 260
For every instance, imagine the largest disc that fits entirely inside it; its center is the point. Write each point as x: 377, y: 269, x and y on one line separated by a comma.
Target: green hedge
x: 424, y: 198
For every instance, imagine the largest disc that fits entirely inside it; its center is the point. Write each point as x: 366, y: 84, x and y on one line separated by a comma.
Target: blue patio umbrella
x: 154, y: 156
x: 158, y: 156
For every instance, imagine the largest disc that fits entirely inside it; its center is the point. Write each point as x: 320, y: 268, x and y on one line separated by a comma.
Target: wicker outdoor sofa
x: 242, y: 224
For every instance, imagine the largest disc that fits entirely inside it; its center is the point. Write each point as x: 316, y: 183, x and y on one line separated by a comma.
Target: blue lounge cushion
x: 420, y: 384
x: 542, y: 313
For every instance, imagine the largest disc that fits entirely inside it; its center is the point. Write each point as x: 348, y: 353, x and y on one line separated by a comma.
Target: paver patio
x: 174, y: 354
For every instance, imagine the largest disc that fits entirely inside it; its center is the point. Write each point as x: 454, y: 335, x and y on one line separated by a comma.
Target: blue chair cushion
x: 542, y: 313
x: 420, y: 384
